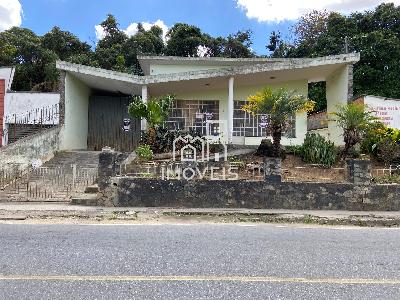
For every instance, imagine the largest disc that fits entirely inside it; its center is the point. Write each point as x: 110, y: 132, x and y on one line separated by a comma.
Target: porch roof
x: 258, y: 71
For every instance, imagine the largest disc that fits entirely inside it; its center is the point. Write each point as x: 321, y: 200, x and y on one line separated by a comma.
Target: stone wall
x: 42, y: 146
x: 140, y: 192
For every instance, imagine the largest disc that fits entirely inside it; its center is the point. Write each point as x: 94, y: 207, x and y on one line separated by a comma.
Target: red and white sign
x: 387, y: 110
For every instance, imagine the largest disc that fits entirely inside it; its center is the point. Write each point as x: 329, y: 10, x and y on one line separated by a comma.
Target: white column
x: 230, y: 109
x: 144, y: 99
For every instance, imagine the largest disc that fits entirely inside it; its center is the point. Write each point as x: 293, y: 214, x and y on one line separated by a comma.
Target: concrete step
x: 84, y: 199
x: 92, y: 189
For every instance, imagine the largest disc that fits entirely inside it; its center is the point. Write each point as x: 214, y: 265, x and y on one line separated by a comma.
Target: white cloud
x: 132, y: 29
x: 10, y: 14
x: 100, y: 34
x: 281, y: 10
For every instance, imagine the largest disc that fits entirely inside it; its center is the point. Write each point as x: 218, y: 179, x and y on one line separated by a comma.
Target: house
x: 23, y: 113
x: 209, y: 93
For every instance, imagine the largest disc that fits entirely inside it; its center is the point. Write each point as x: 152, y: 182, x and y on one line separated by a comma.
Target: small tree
x: 279, y: 105
x: 354, y: 119
x: 155, y: 111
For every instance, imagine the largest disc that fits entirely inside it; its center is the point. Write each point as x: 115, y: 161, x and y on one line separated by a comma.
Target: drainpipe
x: 144, y: 99
x: 230, y: 109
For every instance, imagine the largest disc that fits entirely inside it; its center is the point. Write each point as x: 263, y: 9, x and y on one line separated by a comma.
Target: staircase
x: 67, y: 174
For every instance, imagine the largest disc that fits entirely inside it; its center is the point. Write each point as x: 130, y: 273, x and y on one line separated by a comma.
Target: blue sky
x: 216, y: 17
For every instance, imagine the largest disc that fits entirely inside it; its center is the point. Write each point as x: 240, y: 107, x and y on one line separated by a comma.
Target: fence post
x: 73, y: 175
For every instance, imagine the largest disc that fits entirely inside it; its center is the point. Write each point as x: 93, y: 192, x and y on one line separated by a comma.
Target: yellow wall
x: 241, y: 93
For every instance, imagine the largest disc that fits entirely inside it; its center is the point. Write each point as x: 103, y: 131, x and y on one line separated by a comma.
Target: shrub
x: 161, y: 140
x: 317, y: 150
x: 354, y: 119
x: 144, y: 152
x: 382, y: 142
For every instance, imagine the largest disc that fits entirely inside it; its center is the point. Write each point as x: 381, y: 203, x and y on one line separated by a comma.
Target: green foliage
x: 317, y: 150
x: 35, y: 56
x: 144, y: 152
x: 161, y: 139
x: 294, y: 149
x: 155, y: 111
x: 373, y: 33
x: 317, y: 93
x: 382, y: 142
x: 354, y: 119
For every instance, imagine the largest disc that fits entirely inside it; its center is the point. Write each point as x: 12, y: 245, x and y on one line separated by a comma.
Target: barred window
x: 192, y: 115
x: 248, y: 125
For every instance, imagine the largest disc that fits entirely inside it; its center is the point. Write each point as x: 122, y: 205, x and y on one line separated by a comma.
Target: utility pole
x: 346, y: 45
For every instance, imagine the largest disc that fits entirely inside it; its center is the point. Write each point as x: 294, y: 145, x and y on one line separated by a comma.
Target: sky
x: 215, y: 17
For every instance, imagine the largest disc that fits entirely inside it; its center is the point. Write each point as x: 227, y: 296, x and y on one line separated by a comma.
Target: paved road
x: 198, y: 262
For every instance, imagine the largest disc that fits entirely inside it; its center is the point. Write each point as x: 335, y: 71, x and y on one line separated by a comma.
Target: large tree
x: 375, y: 34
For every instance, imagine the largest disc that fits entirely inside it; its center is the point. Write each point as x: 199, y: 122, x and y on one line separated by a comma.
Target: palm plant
x: 155, y: 110
x: 280, y: 105
x: 354, y: 119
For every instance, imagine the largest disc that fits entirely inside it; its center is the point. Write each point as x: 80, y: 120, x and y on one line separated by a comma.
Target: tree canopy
x: 35, y: 56
x: 375, y: 34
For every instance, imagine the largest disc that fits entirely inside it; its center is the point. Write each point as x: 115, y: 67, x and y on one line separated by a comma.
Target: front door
x: 107, y: 127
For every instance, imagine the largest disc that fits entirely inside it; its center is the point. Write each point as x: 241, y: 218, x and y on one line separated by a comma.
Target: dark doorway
x: 106, y: 124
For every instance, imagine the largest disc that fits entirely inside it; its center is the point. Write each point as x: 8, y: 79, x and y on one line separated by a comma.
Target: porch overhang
x: 270, y: 71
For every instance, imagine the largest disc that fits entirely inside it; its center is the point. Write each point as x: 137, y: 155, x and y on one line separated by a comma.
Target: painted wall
x: 337, y: 93
x: 75, y: 129
x: 7, y: 73
x: 170, y: 69
x: 21, y: 103
x: 241, y: 93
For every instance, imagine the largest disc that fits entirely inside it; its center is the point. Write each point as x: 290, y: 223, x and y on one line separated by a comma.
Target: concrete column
x: 144, y: 99
x: 273, y: 169
x: 359, y: 171
x: 337, y: 94
x: 230, y: 109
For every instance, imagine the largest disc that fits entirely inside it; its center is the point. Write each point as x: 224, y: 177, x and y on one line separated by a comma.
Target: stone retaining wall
x: 139, y: 192
x: 358, y: 194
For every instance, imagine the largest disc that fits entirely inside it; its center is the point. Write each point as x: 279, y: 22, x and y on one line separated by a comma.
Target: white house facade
x: 209, y: 92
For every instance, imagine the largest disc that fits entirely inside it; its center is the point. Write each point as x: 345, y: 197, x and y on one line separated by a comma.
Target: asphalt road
x: 198, y: 262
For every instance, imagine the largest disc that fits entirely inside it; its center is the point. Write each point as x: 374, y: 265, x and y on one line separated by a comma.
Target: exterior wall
x: 75, y: 129
x: 39, y: 146
x: 2, y: 96
x: 172, y: 69
x: 387, y: 110
x: 20, y: 103
x: 7, y: 73
x: 337, y: 93
x: 241, y: 93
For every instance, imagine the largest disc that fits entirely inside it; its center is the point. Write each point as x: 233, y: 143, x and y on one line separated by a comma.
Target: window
x: 245, y: 124
x: 192, y: 115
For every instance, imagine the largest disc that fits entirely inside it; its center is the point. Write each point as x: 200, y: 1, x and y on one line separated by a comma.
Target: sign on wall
x: 388, y: 111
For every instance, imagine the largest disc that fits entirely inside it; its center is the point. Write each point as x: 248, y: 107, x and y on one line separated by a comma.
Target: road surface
x: 198, y: 262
